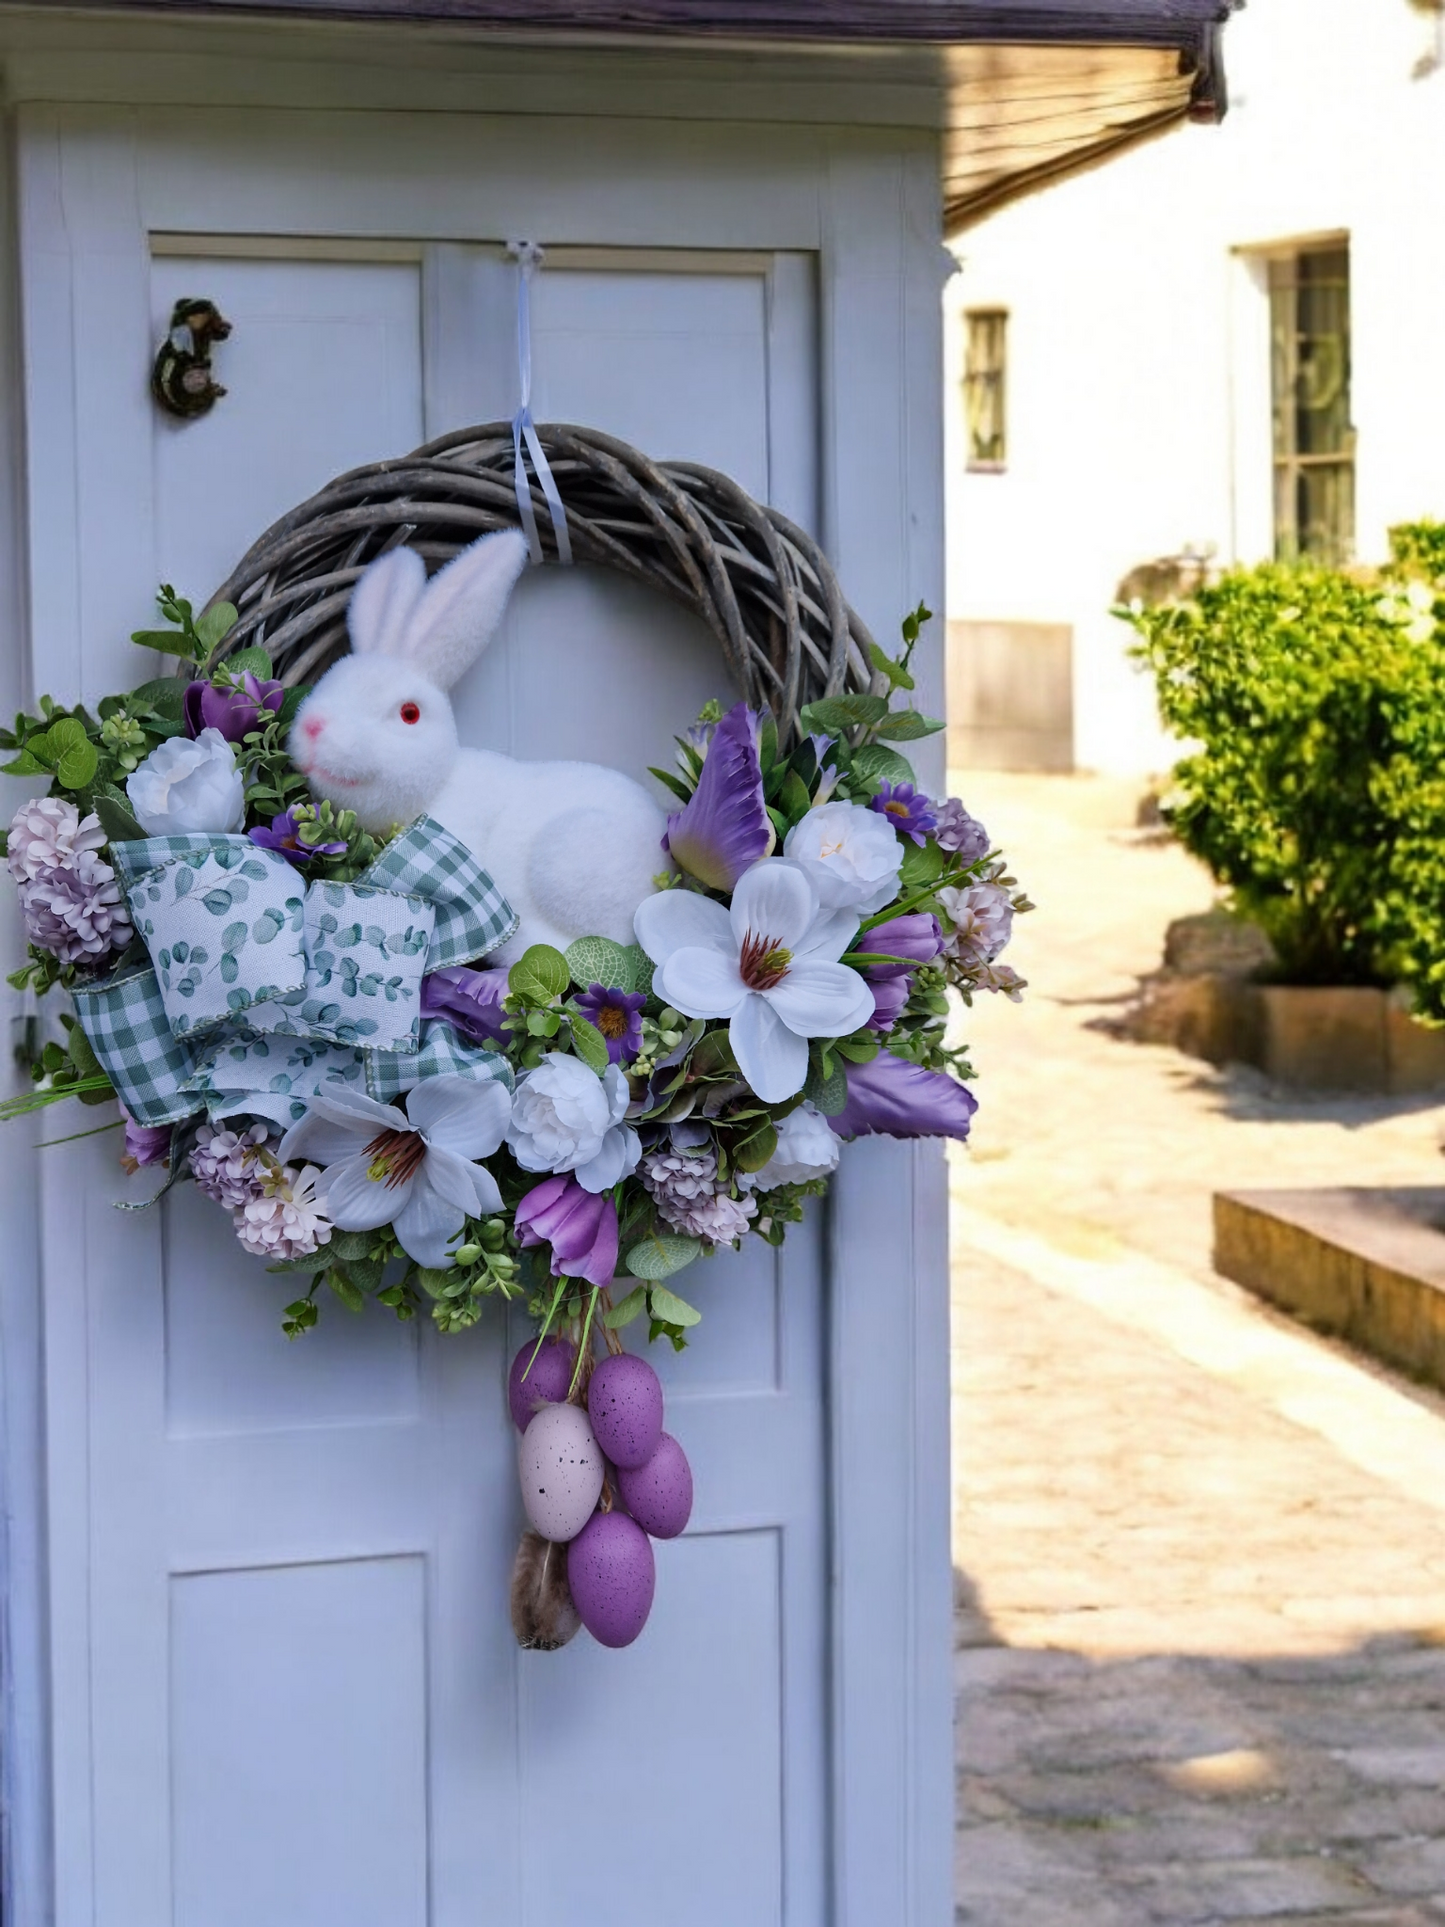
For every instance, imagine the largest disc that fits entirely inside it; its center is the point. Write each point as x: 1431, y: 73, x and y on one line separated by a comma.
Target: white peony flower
x: 189, y: 786
x: 807, y: 1148
x: 567, y: 1118
x: 850, y: 855
x: 769, y: 963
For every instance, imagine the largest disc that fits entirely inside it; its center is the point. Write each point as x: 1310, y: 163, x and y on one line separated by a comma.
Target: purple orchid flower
x: 907, y: 809
x: 914, y: 939
x: 235, y: 712
x: 890, y: 1097
x: 959, y: 833
x: 724, y: 828
x: 282, y: 836
x: 580, y: 1226
x: 469, y: 1000
x: 618, y: 1015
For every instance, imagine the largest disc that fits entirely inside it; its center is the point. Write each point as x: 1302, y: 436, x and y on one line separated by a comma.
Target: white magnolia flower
x: 807, y: 1148
x: 189, y: 786
x: 850, y: 855
x: 769, y: 964
x: 567, y: 1118
x: 414, y: 1171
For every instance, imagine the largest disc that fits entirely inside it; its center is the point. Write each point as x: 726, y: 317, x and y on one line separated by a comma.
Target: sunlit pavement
x: 1201, y: 1554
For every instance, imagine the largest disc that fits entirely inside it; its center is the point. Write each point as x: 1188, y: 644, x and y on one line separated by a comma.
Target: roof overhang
x: 1034, y: 89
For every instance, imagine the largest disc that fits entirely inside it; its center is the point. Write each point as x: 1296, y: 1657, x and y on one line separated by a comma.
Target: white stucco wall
x: 1138, y: 359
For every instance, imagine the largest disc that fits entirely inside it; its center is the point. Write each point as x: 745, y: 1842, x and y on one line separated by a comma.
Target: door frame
x: 93, y: 183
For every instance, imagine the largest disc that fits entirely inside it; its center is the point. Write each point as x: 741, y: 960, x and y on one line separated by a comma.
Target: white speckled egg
x: 560, y: 1465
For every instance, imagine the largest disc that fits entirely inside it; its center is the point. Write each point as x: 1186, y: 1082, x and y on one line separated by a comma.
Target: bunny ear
x: 463, y: 604
x: 383, y: 603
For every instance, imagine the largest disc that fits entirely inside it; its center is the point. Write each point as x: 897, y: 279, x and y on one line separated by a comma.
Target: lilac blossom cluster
x: 69, y: 896
x: 273, y: 1206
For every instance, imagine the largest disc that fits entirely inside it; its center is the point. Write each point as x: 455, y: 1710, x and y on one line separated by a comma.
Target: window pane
x: 1314, y: 442
x: 984, y: 380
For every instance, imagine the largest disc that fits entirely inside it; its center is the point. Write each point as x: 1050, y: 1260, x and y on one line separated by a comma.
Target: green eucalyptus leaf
x: 251, y: 661
x: 540, y: 975
x: 349, y: 1245
x: 836, y: 713
x: 598, y: 960
x: 216, y: 623
x: 631, y: 1307
x: 25, y: 764
x: 907, y: 725
x: 170, y: 642
x: 350, y: 1294
x: 922, y: 863
x: 77, y: 766
x: 116, y: 818
x: 753, y: 1153
x: 671, y: 1309
x: 875, y: 765
x: 589, y: 1043
x: 164, y: 695
x: 829, y: 1094
x: 660, y: 1254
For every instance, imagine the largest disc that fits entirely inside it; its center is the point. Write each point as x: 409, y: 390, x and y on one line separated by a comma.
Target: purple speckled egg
x: 624, y: 1402
x: 611, y: 1576
x: 560, y: 1468
x: 659, y: 1494
x: 545, y: 1383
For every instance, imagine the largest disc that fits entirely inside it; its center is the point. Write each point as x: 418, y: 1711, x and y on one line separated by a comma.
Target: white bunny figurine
x: 573, y: 846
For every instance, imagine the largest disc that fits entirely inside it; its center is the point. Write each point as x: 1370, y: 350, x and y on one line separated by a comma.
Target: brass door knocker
x: 181, y: 380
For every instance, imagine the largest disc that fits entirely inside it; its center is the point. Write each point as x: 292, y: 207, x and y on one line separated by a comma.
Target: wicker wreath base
x: 763, y: 587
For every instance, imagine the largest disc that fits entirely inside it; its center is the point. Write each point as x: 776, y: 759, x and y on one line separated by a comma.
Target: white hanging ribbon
x: 529, y: 257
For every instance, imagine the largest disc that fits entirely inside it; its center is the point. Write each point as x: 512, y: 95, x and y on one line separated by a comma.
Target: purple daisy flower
x: 282, y: 836
x: 235, y: 712
x: 725, y: 828
x: 618, y: 1015
x: 909, y: 811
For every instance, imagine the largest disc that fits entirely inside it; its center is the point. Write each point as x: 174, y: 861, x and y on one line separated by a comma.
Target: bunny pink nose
x: 312, y: 727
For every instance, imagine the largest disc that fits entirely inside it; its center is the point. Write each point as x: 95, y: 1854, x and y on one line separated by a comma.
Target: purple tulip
x: 890, y: 1097
x: 580, y: 1226
x: 907, y: 809
x: 618, y: 1015
x: 913, y: 940
x: 144, y: 1143
x: 283, y: 836
x: 469, y: 1000
x: 724, y: 828
x: 235, y: 712
x: 959, y: 833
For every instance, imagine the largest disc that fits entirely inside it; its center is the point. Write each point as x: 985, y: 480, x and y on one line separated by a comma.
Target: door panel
x: 310, y: 1696
x: 323, y: 372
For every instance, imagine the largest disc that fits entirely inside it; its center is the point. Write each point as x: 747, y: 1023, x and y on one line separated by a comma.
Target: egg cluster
x: 605, y: 1480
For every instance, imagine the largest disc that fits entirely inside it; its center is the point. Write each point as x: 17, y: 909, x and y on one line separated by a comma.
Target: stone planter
x: 1314, y: 1039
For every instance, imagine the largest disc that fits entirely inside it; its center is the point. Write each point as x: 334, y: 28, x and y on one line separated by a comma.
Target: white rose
x: 567, y: 1118
x: 189, y: 786
x: 807, y: 1148
x: 850, y: 854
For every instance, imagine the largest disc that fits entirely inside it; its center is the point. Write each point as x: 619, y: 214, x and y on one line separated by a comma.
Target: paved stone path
x: 1200, y: 1554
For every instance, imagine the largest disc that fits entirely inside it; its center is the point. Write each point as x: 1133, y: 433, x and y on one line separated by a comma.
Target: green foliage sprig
x: 1316, y: 792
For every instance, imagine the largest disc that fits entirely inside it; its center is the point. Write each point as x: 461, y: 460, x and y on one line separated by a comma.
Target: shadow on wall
x: 1190, y: 1787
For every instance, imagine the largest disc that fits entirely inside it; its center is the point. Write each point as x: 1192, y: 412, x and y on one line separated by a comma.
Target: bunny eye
x: 410, y: 713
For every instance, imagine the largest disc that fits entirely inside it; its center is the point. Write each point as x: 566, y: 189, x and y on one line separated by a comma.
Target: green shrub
x: 1313, y: 704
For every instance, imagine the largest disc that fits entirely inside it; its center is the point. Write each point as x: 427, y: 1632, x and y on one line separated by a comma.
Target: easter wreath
x: 278, y: 964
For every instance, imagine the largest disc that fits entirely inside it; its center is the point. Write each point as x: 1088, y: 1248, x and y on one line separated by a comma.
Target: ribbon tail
x: 524, y: 491
x: 549, y: 489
